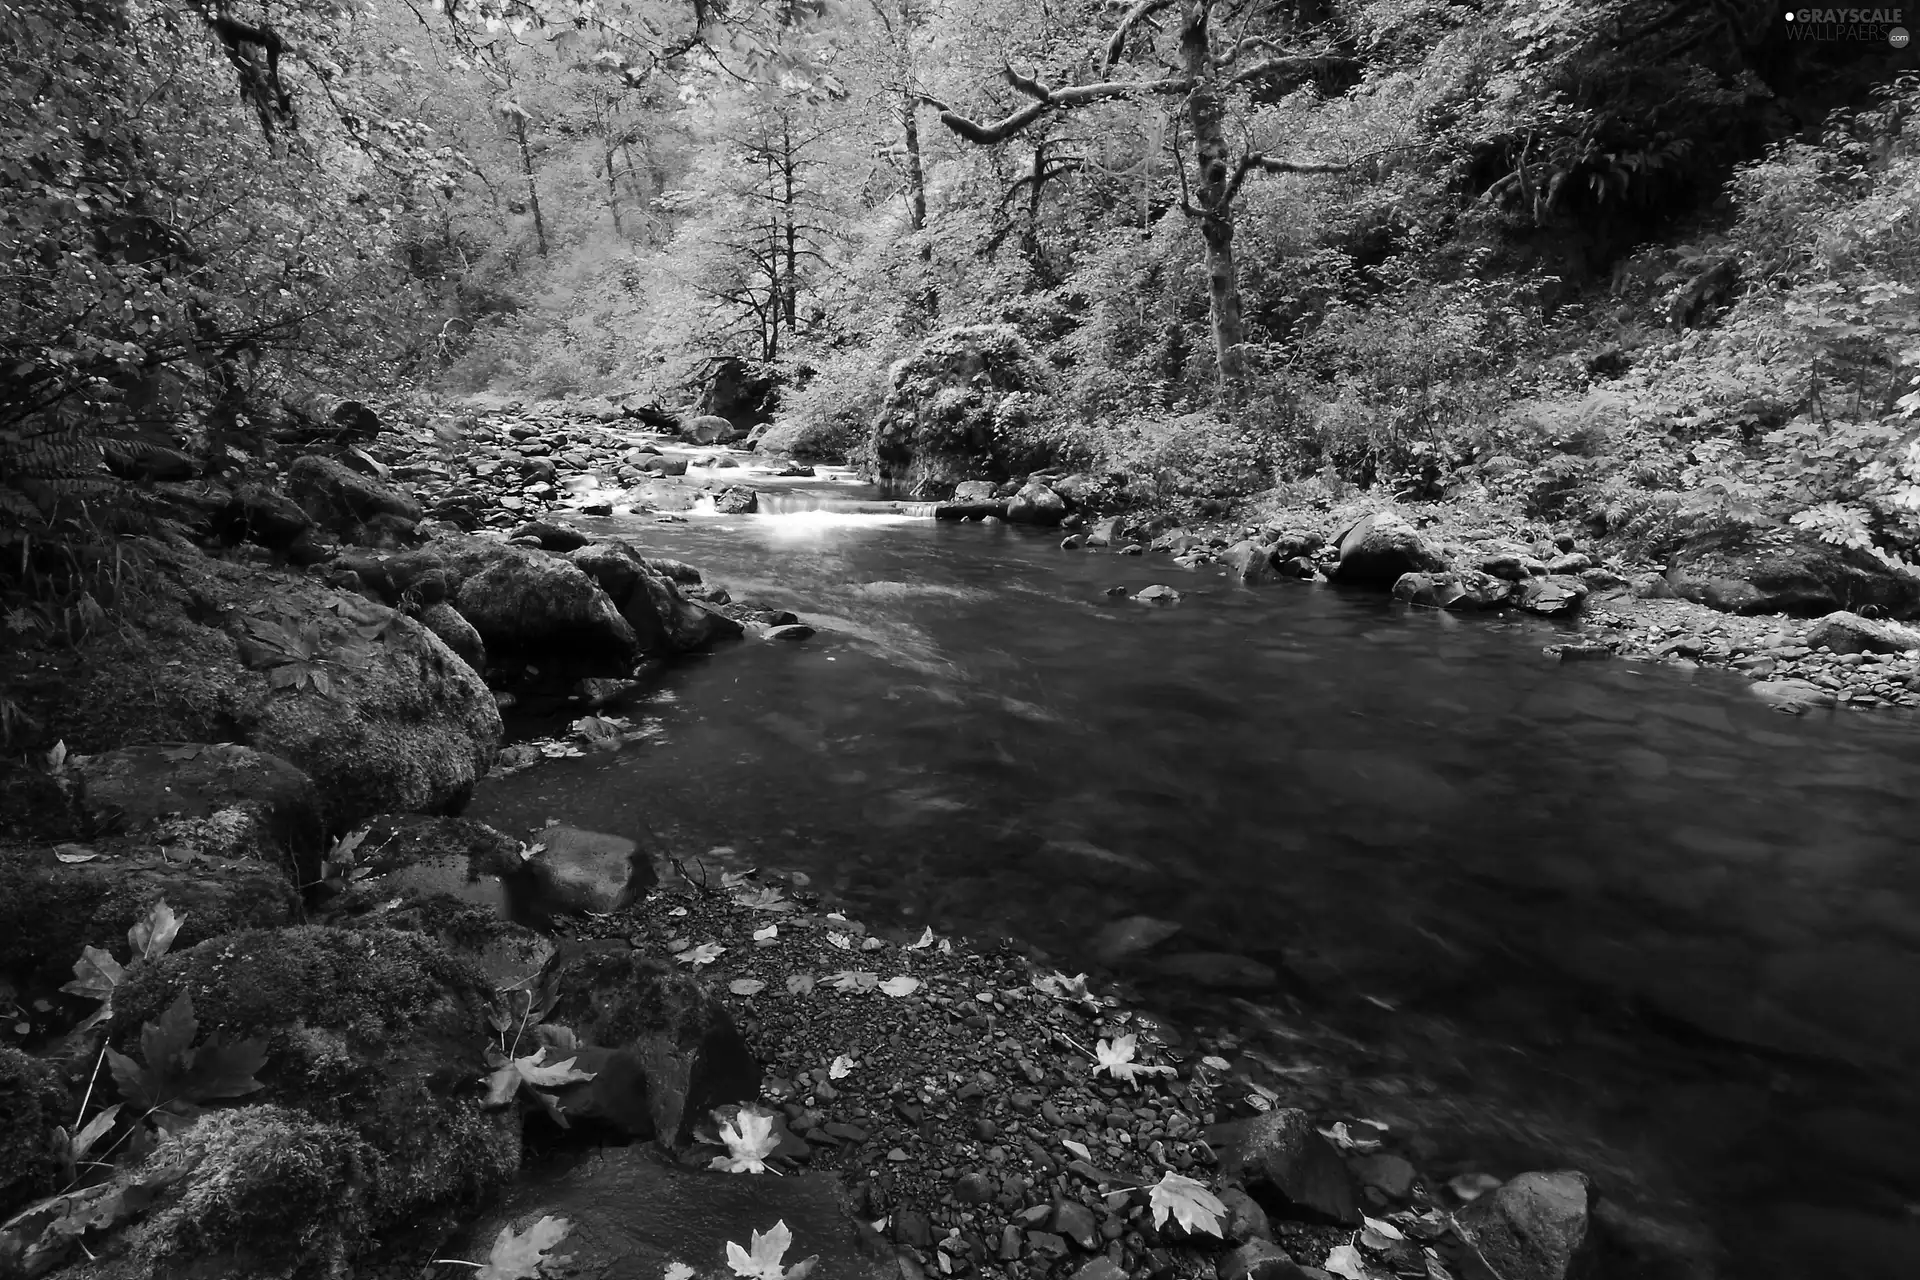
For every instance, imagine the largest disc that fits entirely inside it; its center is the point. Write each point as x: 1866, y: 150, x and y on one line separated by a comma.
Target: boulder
x: 1460, y: 589
x: 1036, y: 504
x: 33, y: 1101
x: 1288, y: 543
x: 341, y: 500
x: 580, y: 871
x: 1795, y: 697
x: 1552, y: 596
x: 1251, y: 562
x: 1747, y: 570
x: 1290, y: 1168
x: 1514, y: 566
x: 380, y: 1030
x: 1259, y: 1260
x: 677, y: 1053
x: 736, y: 502
x: 1536, y: 1227
x: 542, y: 610
x: 454, y: 631
x: 141, y: 790
x: 690, y: 1217
x: 647, y: 594
x: 1845, y: 632
x: 1104, y: 532
x: 660, y: 464
x: 709, y: 428
x: 1159, y: 593
x: 974, y: 491
x: 266, y: 516
x: 557, y: 538
x: 970, y: 400
x: 283, y: 664
x: 1380, y: 548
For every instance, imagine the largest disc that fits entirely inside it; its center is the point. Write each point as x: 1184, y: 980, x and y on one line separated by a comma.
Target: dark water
x: 1608, y: 916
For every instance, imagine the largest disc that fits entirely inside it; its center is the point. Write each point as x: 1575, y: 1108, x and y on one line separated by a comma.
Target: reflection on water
x: 1606, y: 914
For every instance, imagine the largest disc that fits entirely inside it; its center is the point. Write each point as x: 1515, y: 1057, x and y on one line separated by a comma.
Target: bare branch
x: 1117, y: 45
x: 1268, y: 164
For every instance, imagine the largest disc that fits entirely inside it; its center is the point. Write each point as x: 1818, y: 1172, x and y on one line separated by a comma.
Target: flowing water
x: 1611, y: 916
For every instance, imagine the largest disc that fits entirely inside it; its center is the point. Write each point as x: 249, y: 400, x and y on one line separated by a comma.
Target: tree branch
x: 1267, y: 164
x: 1117, y: 44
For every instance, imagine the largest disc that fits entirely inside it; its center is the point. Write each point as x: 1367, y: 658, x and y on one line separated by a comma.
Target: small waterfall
x: 798, y: 502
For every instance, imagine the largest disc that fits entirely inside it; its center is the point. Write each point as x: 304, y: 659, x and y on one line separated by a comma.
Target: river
x: 1612, y: 916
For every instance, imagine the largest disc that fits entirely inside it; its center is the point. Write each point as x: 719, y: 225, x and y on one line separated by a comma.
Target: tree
x: 1211, y: 74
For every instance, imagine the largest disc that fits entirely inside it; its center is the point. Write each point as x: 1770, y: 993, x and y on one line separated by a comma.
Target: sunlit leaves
x: 1188, y: 1203
x: 749, y: 1139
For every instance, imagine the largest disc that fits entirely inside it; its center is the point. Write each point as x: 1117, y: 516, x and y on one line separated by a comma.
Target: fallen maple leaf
x: 513, y: 1073
x: 152, y: 935
x: 1344, y: 1260
x: 840, y: 940
x: 767, y: 934
x: 678, y: 1271
x: 750, y: 1140
x: 765, y: 898
x: 900, y: 986
x: 519, y: 1255
x: 1115, y: 1057
x: 762, y: 1262
x: 1188, y: 1203
x: 925, y: 940
x: 840, y: 1068
x: 800, y: 984
x: 1379, y: 1235
x: 854, y: 980
x: 1072, y: 990
x: 704, y: 954
x: 746, y: 986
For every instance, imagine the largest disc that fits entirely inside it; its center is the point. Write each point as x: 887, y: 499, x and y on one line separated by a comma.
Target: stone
x: 1553, y: 596
x: 1076, y: 1222
x: 454, y: 631
x: 138, y: 790
x: 1740, y: 569
x: 582, y: 871
x: 341, y: 500
x: 1534, y: 1227
x: 1073, y: 542
x: 1246, y: 1220
x: 789, y: 631
x: 736, y: 502
x: 1036, y: 504
x: 974, y: 491
x: 1460, y: 589
x: 1288, y: 543
x: 660, y: 464
x: 1259, y: 1260
x: 1580, y: 651
x: 544, y: 610
x: 1287, y: 1165
x: 1513, y: 566
x: 1102, y: 1268
x: 1250, y: 562
x: 557, y: 538
x: 1379, y: 548
x: 974, y: 1188
x: 1846, y: 632
x: 1573, y: 562
x: 1159, y: 593
x: 1104, y: 532
x: 647, y: 593
x: 266, y: 516
x: 690, y: 1215
x: 1298, y: 567
x: 1651, y: 586
x: 1388, y: 1174
x: 1796, y: 697
x: 677, y: 1046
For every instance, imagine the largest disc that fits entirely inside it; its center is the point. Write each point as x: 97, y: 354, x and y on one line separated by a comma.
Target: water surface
x: 1611, y: 915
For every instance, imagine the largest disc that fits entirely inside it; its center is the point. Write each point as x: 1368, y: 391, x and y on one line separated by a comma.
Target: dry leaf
x: 517, y: 1256
x: 1344, y: 1260
x: 746, y: 986
x: 750, y: 1140
x: 900, y: 986
x: 1188, y: 1202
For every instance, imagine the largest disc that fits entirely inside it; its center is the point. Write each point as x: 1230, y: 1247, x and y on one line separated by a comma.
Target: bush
x: 1195, y: 455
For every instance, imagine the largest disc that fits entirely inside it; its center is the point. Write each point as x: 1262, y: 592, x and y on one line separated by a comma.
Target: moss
x: 966, y: 404
x: 32, y: 1101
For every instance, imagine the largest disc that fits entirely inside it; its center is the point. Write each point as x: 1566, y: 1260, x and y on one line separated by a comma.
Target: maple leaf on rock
x: 1116, y: 1059
x: 854, y: 980
x: 750, y: 1140
x: 1188, y: 1203
x: 762, y: 1261
x: 152, y: 935
x: 512, y: 1073
x: 704, y: 954
x: 177, y: 1075
x: 519, y: 1255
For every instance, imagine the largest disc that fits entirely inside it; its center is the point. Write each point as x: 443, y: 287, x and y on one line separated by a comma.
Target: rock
x: 688, y: 1216
x: 1553, y: 596
x: 1290, y: 1168
x: 789, y: 631
x: 647, y: 594
x: 150, y: 462
x: 540, y: 609
x: 341, y: 500
x: 1793, y: 696
x: 454, y: 631
x: 1287, y: 543
x: 1580, y: 651
x: 1104, y: 532
x: 680, y: 1054
x: 1131, y: 935
x: 1573, y: 562
x: 1380, y: 548
x: 400, y: 723
x: 1246, y: 1220
x: 1456, y: 589
x: 1250, y: 562
x: 33, y: 1102
x: 1750, y: 571
x: 974, y: 491
x: 1076, y: 1222
x: 588, y: 871
x: 1845, y: 632
x: 1299, y: 568
x: 1159, y: 593
x: 1535, y: 1227
x: 665, y: 466
x: 1259, y: 1260
x: 736, y: 502
x: 1101, y: 1268
x: 969, y: 401
x: 373, y: 1030
x: 1390, y: 1175
x: 556, y: 538
x: 1220, y: 970
x: 268, y: 517
x: 138, y: 790
x: 1073, y: 542
x: 1036, y: 504
x: 1514, y: 566
x: 1651, y: 586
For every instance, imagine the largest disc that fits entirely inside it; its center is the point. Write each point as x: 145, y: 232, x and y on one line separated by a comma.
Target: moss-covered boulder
x: 663, y: 619
x: 971, y: 402
x: 369, y: 704
x: 52, y: 908
x: 382, y: 1031
x: 33, y: 1099
x: 344, y: 502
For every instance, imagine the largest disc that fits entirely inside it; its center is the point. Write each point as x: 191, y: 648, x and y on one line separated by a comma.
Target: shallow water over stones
x: 1606, y: 915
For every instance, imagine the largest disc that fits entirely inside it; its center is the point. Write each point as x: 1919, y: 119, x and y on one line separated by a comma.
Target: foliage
x: 522, y: 1255
x: 749, y: 1138
x: 97, y: 975
x: 1188, y: 1203
x: 762, y: 1260
x: 177, y: 1075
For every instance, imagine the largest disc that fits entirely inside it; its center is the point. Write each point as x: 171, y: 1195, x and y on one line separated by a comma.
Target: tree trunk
x: 1213, y: 202
x: 533, y: 191
x: 790, y: 287
x: 916, y: 168
x: 613, y: 189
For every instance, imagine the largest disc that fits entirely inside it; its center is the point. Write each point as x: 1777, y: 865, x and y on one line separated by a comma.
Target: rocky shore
x: 277, y: 1011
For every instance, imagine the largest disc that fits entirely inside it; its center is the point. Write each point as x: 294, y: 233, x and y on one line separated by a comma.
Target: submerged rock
x: 1290, y: 1168
x: 588, y: 871
x: 1159, y: 593
x: 1535, y: 1227
x: 1459, y: 589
